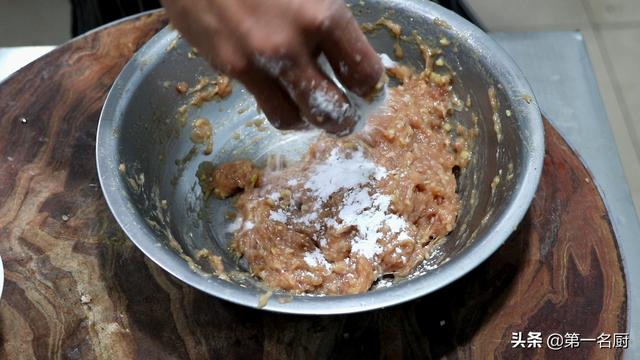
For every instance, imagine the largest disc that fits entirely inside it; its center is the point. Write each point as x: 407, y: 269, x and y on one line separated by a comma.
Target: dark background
x: 89, y: 14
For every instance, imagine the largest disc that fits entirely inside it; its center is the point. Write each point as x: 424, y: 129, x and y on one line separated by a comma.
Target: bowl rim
x: 111, y: 182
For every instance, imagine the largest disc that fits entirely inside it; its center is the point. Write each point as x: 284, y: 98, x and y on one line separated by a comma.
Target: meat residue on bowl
x: 354, y: 209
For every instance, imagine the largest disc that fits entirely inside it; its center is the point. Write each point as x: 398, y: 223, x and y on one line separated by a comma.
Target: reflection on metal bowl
x: 147, y: 169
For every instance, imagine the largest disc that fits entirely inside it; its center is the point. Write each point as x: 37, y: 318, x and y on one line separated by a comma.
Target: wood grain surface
x: 76, y: 287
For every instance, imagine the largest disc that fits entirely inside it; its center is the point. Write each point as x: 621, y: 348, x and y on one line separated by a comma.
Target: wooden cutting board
x: 76, y: 287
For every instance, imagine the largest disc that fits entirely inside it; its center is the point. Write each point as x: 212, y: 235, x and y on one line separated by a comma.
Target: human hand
x: 272, y: 47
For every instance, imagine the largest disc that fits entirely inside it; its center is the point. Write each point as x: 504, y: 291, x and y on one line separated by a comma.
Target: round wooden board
x: 76, y: 287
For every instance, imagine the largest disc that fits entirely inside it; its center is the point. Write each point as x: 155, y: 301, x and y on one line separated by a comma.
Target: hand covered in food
x: 273, y: 46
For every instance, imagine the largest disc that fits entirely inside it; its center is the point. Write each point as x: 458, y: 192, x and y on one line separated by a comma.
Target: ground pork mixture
x: 356, y: 208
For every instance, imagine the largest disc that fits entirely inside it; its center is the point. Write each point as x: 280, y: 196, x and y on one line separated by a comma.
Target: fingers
x: 321, y: 103
x: 354, y: 61
x: 274, y: 101
x: 242, y: 38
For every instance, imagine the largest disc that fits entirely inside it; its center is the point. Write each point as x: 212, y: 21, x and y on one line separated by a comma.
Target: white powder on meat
x: 235, y: 225
x: 316, y: 258
x: 248, y: 225
x: 279, y: 216
x: 340, y: 172
x: 308, y: 218
x: 369, y: 214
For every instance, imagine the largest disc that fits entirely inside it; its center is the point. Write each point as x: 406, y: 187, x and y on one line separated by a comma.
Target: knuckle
x: 238, y: 66
x: 235, y: 66
x: 315, y: 21
x: 274, y: 45
x: 322, y: 16
x: 228, y: 59
x: 272, y: 55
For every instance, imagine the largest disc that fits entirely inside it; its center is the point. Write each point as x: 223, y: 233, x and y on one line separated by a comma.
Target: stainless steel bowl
x: 138, y: 128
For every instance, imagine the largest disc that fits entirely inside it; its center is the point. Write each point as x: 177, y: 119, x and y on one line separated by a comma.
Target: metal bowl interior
x: 138, y: 128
